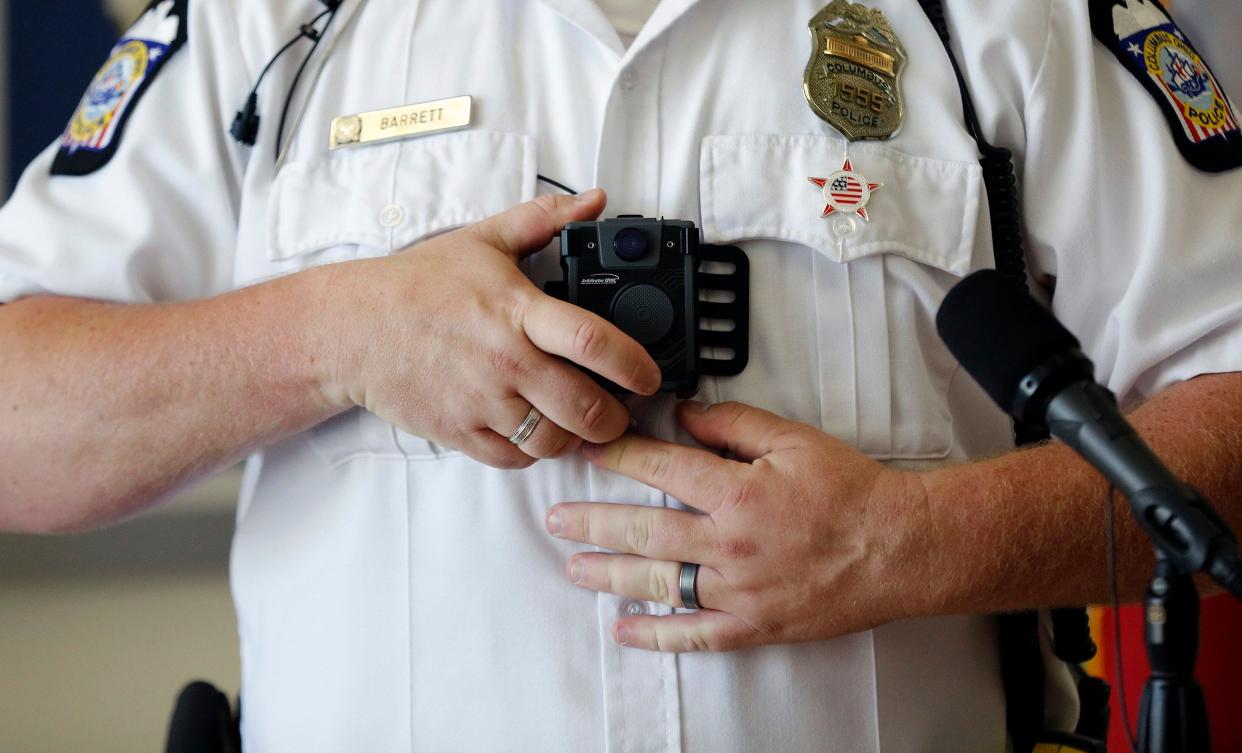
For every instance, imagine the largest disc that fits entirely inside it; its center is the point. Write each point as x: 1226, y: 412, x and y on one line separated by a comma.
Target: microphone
x: 1034, y: 369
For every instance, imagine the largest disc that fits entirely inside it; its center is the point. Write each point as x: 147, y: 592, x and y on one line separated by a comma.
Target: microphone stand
x: 1189, y: 536
x: 1060, y: 393
x: 1173, y: 716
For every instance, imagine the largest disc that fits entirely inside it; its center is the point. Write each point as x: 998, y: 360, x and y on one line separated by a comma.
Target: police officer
x: 352, y: 307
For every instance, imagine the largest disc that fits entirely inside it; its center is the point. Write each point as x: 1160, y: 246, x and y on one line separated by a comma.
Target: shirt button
x: 633, y: 608
x: 628, y: 80
x: 391, y: 215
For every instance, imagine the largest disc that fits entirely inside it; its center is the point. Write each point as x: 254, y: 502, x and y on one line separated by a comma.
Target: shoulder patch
x: 1142, y: 35
x: 94, y: 133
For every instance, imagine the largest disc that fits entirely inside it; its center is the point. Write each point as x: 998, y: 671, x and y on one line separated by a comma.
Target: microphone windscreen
x: 999, y: 333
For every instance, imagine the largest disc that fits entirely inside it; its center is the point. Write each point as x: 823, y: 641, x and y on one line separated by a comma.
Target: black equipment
x: 203, y: 722
x: 245, y: 127
x: 644, y: 275
x: 1032, y: 367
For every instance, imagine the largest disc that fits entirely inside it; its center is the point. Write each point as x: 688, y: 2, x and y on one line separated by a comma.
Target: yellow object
x: 1098, y: 666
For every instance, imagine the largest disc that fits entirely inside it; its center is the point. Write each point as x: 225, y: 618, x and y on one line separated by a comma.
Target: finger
x: 572, y: 399
x: 528, y: 227
x: 706, y: 630
x: 746, y: 431
x: 653, y: 532
x: 692, y: 475
x: 548, y: 440
x: 566, y: 330
x: 489, y: 448
x: 644, y: 579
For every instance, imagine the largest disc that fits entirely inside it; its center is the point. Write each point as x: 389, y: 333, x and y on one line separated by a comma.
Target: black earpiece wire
x: 318, y: 37
x: 561, y: 186
x: 245, y: 127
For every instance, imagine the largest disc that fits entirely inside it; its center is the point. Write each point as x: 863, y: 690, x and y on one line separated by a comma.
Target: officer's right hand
x: 450, y: 341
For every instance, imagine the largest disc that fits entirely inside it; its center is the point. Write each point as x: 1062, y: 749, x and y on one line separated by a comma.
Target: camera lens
x: 629, y: 244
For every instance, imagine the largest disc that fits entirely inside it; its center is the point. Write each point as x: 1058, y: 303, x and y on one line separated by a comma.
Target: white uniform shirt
x: 394, y: 595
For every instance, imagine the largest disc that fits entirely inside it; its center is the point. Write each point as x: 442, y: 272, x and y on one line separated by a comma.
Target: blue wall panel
x: 55, y: 47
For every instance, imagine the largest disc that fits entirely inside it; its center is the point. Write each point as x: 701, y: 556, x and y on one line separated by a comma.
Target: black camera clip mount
x: 720, y: 284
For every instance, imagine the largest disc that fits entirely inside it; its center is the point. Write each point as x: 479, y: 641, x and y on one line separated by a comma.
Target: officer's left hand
x: 804, y: 538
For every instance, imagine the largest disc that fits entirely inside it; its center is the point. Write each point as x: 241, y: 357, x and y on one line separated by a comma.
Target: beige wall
x: 95, y: 664
x: 124, y: 11
x: 98, y: 633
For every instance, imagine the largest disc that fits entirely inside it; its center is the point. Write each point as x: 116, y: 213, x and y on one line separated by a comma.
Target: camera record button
x: 644, y: 312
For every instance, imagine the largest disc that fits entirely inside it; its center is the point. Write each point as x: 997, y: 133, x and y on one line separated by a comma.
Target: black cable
x: 1116, y: 604
x: 279, y: 54
x: 245, y: 127
x: 561, y: 186
x: 998, y: 172
x: 309, y: 31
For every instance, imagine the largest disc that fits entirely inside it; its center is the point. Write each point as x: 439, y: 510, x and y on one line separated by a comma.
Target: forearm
x: 1028, y: 528
x: 107, y: 408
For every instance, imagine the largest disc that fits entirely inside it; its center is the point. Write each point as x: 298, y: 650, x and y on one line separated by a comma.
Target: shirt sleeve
x: 158, y: 220
x: 1141, y: 251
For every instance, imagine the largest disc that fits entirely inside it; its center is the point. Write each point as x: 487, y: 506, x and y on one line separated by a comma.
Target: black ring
x: 689, y: 585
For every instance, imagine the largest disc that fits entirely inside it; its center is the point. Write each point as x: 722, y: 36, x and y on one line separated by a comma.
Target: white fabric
x: 394, y: 595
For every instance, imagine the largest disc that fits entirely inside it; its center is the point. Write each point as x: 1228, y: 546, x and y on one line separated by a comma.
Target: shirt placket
x: 641, y: 707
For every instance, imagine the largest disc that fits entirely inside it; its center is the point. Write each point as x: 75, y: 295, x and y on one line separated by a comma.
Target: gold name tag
x: 401, y: 122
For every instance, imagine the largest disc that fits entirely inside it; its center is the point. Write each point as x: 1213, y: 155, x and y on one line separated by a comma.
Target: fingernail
x: 592, y: 450
x: 575, y: 572
x: 695, y: 406
x: 554, y: 523
x: 591, y: 195
x: 623, y: 636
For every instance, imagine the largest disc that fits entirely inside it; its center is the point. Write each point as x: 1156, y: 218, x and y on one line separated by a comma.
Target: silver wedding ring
x: 527, y: 427
x: 689, y: 585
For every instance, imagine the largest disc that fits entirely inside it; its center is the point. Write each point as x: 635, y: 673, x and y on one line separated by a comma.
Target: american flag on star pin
x: 846, y: 191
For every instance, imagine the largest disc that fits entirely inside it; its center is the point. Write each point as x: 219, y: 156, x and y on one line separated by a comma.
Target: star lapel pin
x: 846, y: 191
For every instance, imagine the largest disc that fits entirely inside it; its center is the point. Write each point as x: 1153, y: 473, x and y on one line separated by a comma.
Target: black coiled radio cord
x: 1022, y: 670
x: 997, y: 164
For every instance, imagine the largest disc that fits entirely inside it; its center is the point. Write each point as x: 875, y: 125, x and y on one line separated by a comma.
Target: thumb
x: 744, y: 430
x: 528, y: 227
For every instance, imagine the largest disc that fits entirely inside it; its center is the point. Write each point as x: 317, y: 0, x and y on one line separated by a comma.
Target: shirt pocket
x: 371, y: 201
x: 845, y: 322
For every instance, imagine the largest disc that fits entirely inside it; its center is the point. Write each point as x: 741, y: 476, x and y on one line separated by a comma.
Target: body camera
x: 643, y: 275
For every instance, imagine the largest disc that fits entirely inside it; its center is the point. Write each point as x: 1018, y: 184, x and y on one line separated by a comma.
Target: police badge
x: 852, y: 78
